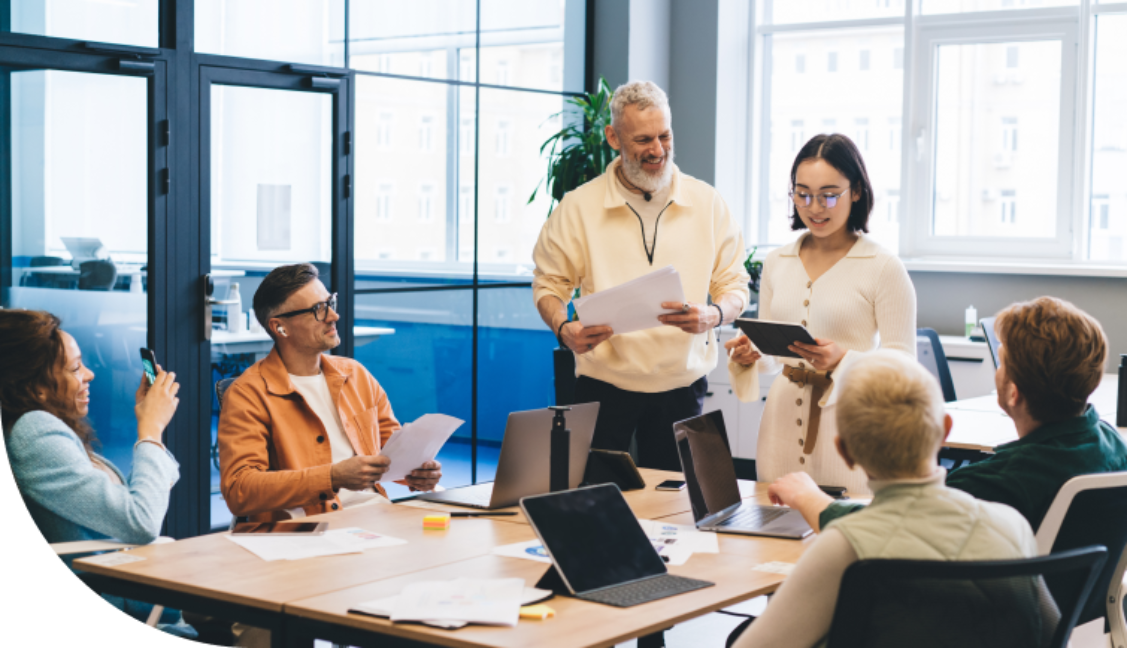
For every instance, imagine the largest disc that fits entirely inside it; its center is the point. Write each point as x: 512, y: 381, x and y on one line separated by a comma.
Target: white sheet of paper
x: 417, y: 443
x: 486, y: 601
x: 383, y: 607
x: 776, y: 567
x: 530, y: 550
x: 634, y: 305
x: 332, y: 543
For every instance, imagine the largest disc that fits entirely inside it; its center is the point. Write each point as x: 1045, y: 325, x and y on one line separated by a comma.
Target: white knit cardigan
x: 864, y: 302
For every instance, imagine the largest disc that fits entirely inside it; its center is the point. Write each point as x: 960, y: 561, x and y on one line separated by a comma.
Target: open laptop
x: 710, y: 475
x: 523, y: 467
x: 599, y: 549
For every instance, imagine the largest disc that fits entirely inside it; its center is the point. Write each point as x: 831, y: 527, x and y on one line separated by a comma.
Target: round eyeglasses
x: 319, y: 310
x: 805, y: 198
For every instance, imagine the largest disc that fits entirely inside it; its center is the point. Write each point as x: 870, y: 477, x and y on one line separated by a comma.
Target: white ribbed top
x: 864, y: 302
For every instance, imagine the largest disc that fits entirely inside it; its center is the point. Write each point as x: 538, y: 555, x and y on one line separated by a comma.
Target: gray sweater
x: 70, y: 499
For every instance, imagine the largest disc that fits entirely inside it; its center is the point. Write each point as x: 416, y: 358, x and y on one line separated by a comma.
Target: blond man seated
x: 890, y: 422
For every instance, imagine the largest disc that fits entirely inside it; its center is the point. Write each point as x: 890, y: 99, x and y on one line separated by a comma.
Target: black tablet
x: 613, y: 467
x: 773, y: 338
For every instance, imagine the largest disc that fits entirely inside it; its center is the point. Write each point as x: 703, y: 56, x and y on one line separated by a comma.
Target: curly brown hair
x: 1054, y: 353
x: 32, y: 359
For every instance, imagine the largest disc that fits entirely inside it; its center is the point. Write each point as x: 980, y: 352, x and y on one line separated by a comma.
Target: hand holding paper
x: 634, y: 305
x: 417, y: 443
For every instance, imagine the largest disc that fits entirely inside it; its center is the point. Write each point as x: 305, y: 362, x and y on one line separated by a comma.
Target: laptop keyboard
x: 752, y: 517
x: 644, y: 591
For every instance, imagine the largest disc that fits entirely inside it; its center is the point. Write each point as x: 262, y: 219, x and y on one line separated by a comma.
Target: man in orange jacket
x: 300, y: 432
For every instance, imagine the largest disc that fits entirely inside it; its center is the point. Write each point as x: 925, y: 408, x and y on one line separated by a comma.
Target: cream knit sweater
x: 594, y: 241
x: 864, y: 302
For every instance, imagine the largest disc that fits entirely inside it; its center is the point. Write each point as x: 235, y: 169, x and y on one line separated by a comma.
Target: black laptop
x: 599, y: 549
x: 714, y: 493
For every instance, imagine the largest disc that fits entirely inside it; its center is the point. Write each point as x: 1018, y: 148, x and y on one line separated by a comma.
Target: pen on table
x: 480, y: 514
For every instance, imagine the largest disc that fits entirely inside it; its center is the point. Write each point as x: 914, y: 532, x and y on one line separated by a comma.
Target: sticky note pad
x: 539, y: 612
x: 437, y: 522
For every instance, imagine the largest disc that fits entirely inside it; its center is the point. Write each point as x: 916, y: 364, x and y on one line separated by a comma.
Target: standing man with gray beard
x: 642, y: 214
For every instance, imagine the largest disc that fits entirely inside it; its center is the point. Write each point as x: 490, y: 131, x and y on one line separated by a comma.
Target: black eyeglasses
x: 319, y: 310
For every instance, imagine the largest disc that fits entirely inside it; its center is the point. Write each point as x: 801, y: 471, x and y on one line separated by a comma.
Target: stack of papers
x: 417, y: 443
x: 456, y: 603
x: 332, y: 543
x: 634, y: 305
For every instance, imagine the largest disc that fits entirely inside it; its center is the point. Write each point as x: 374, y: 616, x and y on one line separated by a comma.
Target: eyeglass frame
x: 331, y: 302
x: 821, y: 199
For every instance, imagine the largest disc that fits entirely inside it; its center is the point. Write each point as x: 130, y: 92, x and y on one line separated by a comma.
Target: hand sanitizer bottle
x: 236, y: 323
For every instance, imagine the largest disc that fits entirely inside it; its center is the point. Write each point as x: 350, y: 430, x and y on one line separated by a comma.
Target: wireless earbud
x: 282, y: 331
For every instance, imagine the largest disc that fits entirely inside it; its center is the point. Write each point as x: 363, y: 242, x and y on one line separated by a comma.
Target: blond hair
x: 1054, y: 353
x: 890, y: 414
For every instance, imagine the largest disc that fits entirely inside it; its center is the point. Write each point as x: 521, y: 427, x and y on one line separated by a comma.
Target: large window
x: 990, y: 128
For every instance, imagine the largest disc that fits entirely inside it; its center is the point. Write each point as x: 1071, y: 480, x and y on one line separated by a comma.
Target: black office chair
x: 929, y: 351
x: 221, y: 388
x: 31, y: 279
x: 934, y: 604
x: 97, y: 275
x: 991, y: 336
x: 1088, y: 510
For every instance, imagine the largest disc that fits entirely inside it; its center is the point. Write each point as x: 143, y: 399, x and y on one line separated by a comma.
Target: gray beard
x: 637, y: 176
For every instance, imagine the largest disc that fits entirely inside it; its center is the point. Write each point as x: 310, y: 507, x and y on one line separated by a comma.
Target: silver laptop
x: 710, y: 476
x: 523, y: 467
x: 84, y: 249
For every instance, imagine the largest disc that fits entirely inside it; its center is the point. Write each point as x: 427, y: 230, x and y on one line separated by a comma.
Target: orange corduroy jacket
x: 274, y: 452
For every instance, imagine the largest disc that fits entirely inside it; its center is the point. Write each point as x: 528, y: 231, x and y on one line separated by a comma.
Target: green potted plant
x: 577, y: 154
x: 754, y: 268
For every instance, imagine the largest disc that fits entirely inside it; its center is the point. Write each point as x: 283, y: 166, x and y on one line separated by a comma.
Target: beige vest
x: 925, y: 520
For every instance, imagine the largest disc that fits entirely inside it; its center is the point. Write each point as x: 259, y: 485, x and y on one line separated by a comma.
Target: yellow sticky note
x: 436, y: 522
x: 539, y: 612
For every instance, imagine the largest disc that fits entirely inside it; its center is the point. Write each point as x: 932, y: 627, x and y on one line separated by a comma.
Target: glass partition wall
x: 155, y: 154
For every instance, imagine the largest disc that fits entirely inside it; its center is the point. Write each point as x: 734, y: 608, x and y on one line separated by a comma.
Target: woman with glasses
x: 849, y: 292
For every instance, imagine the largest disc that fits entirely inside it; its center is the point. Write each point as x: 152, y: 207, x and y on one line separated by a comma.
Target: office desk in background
x: 134, y: 271
x: 306, y: 599
x: 981, y: 425
x: 259, y: 342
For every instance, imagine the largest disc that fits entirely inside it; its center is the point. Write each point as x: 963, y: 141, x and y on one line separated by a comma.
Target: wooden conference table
x: 980, y: 425
x: 308, y: 599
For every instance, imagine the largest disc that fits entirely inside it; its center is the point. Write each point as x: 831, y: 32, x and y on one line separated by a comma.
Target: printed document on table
x: 487, y: 601
x: 417, y: 443
x: 385, y: 607
x: 634, y: 305
x: 332, y: 543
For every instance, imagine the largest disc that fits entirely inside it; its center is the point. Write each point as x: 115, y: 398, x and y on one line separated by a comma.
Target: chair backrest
x: 928, y: 604
x: 1089, y: 510
x: 46, y: 261
x: 991, y: 336
x: 97, y: 275
x: 221, y: 389
x: 929, y: 351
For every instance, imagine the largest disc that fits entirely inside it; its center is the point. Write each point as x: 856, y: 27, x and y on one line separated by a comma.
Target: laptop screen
x: 593, y: 537
x: 710, y: 473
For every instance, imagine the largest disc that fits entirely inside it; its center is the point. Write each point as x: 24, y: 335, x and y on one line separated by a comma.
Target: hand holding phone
x: 149, y: 363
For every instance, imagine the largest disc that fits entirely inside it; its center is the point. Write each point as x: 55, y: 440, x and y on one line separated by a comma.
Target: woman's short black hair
x: 842, y: 154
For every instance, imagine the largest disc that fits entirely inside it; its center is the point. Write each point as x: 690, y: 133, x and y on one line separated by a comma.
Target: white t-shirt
x: 647, y: 210
x: 315, y: 390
